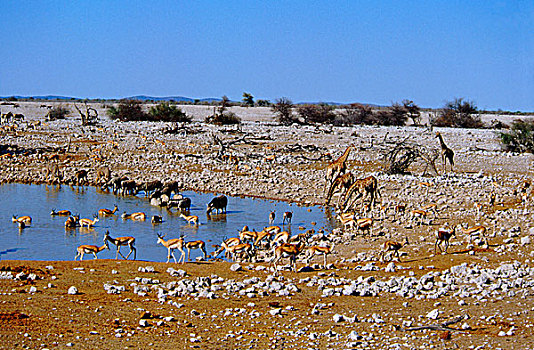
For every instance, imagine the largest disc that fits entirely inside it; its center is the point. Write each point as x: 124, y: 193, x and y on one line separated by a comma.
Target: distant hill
x: 152, y: 98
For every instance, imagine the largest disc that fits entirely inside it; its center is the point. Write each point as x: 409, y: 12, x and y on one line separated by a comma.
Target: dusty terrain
x: 357, y: 302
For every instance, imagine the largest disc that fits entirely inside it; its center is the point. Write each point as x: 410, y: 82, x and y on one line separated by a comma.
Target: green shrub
x: 520, y: 138
x: 166, y: 112
x: 127, y: 110
x: 226, y: 118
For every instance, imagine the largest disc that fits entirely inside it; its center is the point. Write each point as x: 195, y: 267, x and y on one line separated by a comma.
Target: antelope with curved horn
x: 72, y: 221
x: 108, y: 212
x: 89, y: 222
x: 191, y: 219
x: 119, y: 242
x: 195, y: 245
x: 171, y: 245
x: 443, y: 236
x: 26, y: 219
x: 475, y: 232
x: 60, y: 212
x: 287, y: 250
x: 392, y: 246
x: 89, y: 249
x: 318, y: 250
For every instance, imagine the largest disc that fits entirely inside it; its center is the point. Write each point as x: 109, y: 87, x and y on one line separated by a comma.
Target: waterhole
x: 47, y: 239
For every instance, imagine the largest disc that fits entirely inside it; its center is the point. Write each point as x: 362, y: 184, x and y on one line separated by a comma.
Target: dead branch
x: 90, y: 117
x: 438, y: 326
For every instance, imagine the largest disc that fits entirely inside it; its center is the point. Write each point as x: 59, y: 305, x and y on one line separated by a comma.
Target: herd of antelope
x: 356, y: 205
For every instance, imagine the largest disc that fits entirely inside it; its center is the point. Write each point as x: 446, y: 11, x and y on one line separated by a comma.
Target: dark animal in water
x: 218, y: 203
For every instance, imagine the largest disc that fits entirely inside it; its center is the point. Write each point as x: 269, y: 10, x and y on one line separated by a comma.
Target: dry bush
x: 458, y: 114
x: 520, y: 138
x: 166, y: 112
x: 283, y: 109
x: 323, y: 113
x: 127, y: 110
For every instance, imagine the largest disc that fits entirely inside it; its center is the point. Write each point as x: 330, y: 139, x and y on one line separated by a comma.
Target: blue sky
x: 344, y: 51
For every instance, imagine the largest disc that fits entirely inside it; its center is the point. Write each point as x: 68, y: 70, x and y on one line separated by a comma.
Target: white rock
x: 338, y: 318
x: 433, y: 315
x: 143, y: 323
x: 73, y: 290
x: 391, y: 267
x: 275, y: 312
x: 236, y: 267
x: 354, y: 336
x: 525, y: 240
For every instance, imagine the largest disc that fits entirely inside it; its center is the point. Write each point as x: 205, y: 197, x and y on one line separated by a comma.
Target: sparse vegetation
x: 248, y: 100
x: 127, y: 110
x: 225, y: 118
x: 321, y: 113
x: 459, y: 113
x: 520, y: 138
x: 167, y: 112
x: 283, y: 109
x: 394, y: 115
x: 355, y: 113
x: 58, y: 112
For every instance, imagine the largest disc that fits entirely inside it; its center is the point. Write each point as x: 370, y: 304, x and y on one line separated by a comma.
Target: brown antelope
x: 399, y: 209
x: 26, y: 219
x: 171, y: 245
x: 191, y: 219
x: 432, y: 207
x: 88, y: 222
x: 420, y: 214
x: 318, y: 250
x: 119, y: 242
x: 281, y: 237
x: 443, y: 236
x: 89, y: 249
x: 301, y: 237
x: 364, y: 224
x: 260, y: 236
x: 272, y: 229
x: 287, y: 250
x: 245, y: 235
x: 60, y: 212
x: 288, y: 215
x: 108, y: 212
x: 475, y: 232
x: 272, y: 215
x: 228, y: 242
x: 235, y: 249
x: 392, y: 246
x: 72, y: 221
x: 195, y: 245
x: 139, y: 216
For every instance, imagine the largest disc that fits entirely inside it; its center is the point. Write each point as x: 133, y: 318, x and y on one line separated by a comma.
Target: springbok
x: 89, y: 249
x: 119, y: 242
x: 171, y: 245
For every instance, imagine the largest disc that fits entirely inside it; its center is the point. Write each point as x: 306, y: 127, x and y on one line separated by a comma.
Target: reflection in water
x: 48, y: 239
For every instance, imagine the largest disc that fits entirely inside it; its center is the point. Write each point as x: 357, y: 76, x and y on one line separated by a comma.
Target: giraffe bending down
x: 361, y: 187
x: 337, y: 167
x: 341, y: 183
x: 446, y: 152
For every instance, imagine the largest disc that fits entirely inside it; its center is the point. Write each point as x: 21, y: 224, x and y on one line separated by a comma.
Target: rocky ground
x: 357, y: 301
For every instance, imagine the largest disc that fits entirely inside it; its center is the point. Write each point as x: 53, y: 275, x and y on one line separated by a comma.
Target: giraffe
x: 359, y: 188
x: 341, y: 183
x: 337, y: 167
x: 446, y: 152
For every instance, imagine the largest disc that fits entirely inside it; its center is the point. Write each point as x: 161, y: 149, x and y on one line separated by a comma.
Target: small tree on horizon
x: 248, y: 99
x: 283, y: 109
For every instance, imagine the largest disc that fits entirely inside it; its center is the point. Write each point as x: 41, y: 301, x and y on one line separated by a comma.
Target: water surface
x: 47, y: 239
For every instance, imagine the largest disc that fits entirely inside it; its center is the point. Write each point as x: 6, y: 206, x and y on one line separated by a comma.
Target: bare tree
x: 90, y: 116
